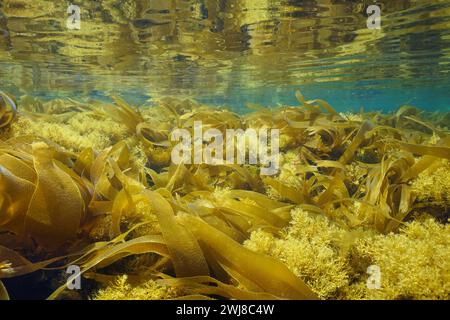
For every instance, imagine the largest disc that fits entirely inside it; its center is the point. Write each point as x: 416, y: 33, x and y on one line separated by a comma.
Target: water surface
x: 230, y: 52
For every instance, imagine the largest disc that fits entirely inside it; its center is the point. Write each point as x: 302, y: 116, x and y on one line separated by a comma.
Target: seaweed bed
x: 91, y: 184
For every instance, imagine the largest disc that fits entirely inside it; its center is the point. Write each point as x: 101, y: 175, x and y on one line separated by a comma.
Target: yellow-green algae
x: 333, y: 260
x: 121, y: 289
x: 352, y: 191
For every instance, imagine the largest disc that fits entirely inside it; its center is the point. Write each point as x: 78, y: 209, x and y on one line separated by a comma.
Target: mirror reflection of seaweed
x: 236, y: 144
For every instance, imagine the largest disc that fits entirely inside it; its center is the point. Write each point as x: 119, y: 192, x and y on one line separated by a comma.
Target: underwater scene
x: 225, y: 149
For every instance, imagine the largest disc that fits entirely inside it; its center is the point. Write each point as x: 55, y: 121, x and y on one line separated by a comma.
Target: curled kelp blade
x: 26, y: 178
x: 8, y: 109
x: 152, y: 137
x: 16, y: 195
x: 107, y: 253
x: 46, y: 221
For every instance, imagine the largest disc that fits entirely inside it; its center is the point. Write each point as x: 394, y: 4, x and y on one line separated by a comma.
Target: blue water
x: 353, y: 97
x: 343, y: 98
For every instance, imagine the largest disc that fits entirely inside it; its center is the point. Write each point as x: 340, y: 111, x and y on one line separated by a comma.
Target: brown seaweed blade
x: 108, y: 253
x: 436, y: 151
x: 356, y: 142
x: 56, y: 207
x: 15, y: 201
x: 185, y: 252
x: 267, y: 273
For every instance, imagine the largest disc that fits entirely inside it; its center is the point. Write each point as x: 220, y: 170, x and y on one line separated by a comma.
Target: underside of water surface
x: 212, y: 149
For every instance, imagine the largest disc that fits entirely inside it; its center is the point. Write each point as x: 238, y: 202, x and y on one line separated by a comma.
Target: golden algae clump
x: 333, y: 261
x: 79, y: 131
x: 122, y: 289
x: 414, y: 263
x: 312, y: 247
x: 291, y: 173
x: 433, y: 184
x: 61, y: 134
x: 74, y: 126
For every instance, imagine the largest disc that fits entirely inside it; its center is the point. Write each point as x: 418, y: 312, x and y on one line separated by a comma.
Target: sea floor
x: 358, y: 208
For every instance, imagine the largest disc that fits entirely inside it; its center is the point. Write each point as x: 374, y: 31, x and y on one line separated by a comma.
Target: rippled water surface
x: 230, y: 52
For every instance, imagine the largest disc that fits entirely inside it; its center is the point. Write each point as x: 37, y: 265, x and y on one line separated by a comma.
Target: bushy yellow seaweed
x: 311, y: 248
x: 290, y: 173
x: 79, y: 132
x: 414, y: 263
x: 122, y: 289
x: 433, y: 184
x: 333, y: 260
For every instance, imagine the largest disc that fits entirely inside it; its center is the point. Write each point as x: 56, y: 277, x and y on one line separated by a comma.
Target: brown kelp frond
x: 265, y: 272
x: 185, y: 252
x: 38, y: 180
x: 431, y: 150
x: 54, y: 189
x: 238, y: 209
x: 154, y: 136
x: 212, y: 119
x: 109, y: 253
x: 356, y: 142
x: 121, y: 112
x: 30, y: 185
x: 56, y: 108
